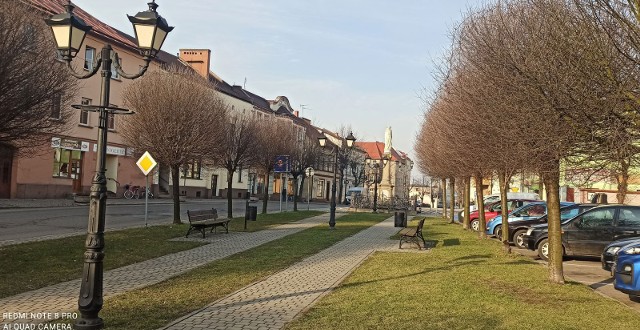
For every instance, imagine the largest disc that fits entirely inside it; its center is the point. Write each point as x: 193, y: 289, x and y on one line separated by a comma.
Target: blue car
x: 627, y: 271
x: 531, y: 211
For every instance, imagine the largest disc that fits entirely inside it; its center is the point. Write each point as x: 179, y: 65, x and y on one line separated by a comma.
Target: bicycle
x: 144, y: 191
x: 131, y: 191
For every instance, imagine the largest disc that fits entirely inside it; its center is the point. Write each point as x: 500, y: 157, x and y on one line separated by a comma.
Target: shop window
x: 66, y: 163
x: 191, y: 170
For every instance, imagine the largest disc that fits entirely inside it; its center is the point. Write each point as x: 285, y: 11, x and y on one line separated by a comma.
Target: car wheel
x: 518, y: 239
x: 475, y: 225
x: 634, y: 298
x: 498, y: 232
x: 543, y: 249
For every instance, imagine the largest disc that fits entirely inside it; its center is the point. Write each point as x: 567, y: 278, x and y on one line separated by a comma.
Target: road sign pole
x: 280, y: 194
x: 146, y: 201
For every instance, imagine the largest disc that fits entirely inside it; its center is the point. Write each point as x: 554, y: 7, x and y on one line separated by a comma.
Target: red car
x: 494, y: 209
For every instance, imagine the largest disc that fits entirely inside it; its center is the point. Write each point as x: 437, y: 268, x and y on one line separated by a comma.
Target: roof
x: 375, y: 150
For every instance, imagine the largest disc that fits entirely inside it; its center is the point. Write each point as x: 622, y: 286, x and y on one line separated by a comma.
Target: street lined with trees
x: 546, y: 87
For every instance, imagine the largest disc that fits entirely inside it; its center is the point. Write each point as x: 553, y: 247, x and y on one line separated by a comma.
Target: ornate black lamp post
x: 323, y: 142
x: 69, y: 32
x: 374, y: 164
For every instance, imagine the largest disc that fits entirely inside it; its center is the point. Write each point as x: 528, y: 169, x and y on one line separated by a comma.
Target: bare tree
x: 179, y: 117
x: 237, y: 149
x: 275, y: 136
x: 304, y: 154
x: 35, y: 88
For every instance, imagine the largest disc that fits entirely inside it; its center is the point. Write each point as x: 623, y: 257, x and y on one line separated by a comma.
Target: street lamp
x: 69, y: 32
x: 374, y: 164
x: 323, y: 142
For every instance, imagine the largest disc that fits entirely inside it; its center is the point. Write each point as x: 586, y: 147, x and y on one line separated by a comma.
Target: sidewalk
x: 271, y: 303
x: 63, y: 202
x: 62, y: 297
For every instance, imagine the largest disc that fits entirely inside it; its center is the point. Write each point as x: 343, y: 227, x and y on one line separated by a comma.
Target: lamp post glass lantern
x: 374, y: 164
x: 69, y: 32
x: 350, y: 139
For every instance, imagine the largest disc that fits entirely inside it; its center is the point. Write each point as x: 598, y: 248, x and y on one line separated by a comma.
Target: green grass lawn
x: 462, y: 283
x: 270, y: 219
x: 29, y: 266
x: 157, y: 305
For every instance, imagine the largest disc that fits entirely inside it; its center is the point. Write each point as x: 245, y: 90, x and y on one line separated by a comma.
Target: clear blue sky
x: 362, y: 63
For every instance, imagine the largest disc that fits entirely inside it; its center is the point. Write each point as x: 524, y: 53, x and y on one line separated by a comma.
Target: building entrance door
x: 214, y: 186
x: 6, y: 158
x: 76, y: 175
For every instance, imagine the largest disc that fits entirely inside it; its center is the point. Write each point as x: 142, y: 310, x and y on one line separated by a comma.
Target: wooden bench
x: 203, y: 219
x: 412, y: 235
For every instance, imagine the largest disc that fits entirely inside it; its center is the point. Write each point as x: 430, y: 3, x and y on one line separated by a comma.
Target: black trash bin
x: 400, y: 219
x: 253, y: 213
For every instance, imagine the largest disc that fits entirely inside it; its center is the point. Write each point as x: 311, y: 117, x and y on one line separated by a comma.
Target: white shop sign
x: 111, y: 150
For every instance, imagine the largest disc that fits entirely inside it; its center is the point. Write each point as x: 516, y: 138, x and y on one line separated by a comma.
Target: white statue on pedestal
x: 387, y: 141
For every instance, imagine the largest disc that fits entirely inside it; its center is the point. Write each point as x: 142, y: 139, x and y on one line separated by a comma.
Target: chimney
x: 296, y: 113
x: 198, y: 59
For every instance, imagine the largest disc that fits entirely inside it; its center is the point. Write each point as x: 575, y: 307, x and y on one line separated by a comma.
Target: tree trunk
x: 541, y: 185
x: 300, y: 191
x: 229, y: 194
x: 482, y: 229
x: 295, y: 193
x: 552, y: 187
x: 175, y: 181
x: 452, y: 195
x: 443, y: 183
x: 503, y: 180
x: 467, y: 202
x: 265, y: 195
x: 623, y: 182
x: 340, y: 187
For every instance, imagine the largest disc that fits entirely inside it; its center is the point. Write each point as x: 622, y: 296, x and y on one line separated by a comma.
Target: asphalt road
x: 30, y: 223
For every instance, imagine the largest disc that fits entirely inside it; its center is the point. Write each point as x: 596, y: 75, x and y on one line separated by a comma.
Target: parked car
x: 610, y: 251
x: 518, y: 229
x: 627, y: 271
x: 588, y: 233
x: 496, y: 197
x: 493, y: 209
x: 531, y: 211
x: 353, y: 191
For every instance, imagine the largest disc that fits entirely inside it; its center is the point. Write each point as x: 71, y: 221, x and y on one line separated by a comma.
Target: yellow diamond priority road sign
x: 146, y: 163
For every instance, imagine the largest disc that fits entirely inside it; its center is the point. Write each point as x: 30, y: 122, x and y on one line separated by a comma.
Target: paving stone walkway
x: 63, y: 297
x: 271, y: 303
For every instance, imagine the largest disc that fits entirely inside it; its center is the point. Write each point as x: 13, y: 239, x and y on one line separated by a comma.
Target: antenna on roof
x: 245, y: 83
x: 302, y: 107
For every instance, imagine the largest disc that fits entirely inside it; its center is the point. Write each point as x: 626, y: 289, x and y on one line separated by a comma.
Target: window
x: 114, y: 72
x: 240, y: 174
x: 111, y: 121
x: 598, y: 218
x: 66, y: 163
x: 55, y: 106
x: 569, y: 213
x: 320, y: 188
x: 629, y: 218
x: 191, y: 170
x: 84, y: 114
x: 89, y: 55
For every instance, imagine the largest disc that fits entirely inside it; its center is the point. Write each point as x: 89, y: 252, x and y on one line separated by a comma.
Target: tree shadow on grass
x: 451, y: 242
x: 448, y: 267
x: 520, y: 262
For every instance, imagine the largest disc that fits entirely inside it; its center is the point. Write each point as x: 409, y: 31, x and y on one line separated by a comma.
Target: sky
x: 367, y: 64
